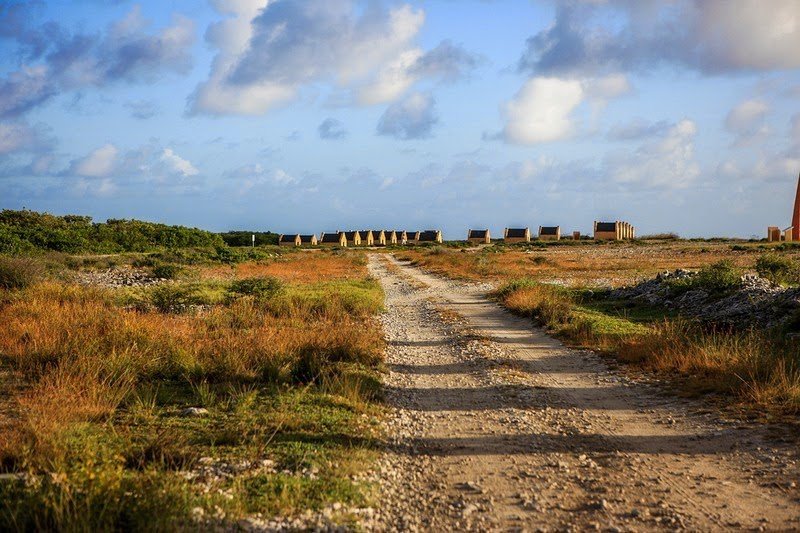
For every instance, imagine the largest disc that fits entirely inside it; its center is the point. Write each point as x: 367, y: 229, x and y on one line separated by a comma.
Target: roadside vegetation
x: 560, y: 291
x: 235, y: 389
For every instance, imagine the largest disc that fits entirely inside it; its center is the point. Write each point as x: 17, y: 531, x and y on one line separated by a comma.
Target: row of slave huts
x: 603, y: 231
x: 609, y: 231
x: 363, y: 238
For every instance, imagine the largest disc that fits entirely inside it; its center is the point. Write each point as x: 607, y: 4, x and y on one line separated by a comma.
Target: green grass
x: 353, y: 297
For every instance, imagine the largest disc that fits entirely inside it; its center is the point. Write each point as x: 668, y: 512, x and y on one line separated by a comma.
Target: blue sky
x: 309, y: 116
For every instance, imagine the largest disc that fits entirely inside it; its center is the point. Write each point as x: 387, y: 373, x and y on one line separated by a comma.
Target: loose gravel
x: 495, y: 426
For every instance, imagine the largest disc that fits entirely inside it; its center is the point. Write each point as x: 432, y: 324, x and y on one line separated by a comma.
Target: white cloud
x: 607, y: 87
x: 99, y: 163
x: 412, y: 118
x: 392, y: 80
x: 269, y: 51
x: 541, y: 110
x: 667, y: 162
x: 62, y: 60
x: 177, y: 163
x: 746, y: 120
x: 711, y: 36
x: 21, y: 137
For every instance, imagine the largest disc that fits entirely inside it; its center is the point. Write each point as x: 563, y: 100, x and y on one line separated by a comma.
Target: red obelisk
x: 796, y: 214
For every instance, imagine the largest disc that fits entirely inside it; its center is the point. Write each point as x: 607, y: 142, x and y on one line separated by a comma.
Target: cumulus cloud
x: 99, y: 163
x: 178, y: 164
x: 269, y: 51
x: 665, y: 162
x: 20, y: 137
x: 607, y: 87
x: 447, y: 61
x: 411, y: 118
x: 331, y: 129
x: 150, y: 164
x: 711, y: 36
x: 52, y: 59
x: 257, y: 179
x: 542, y: 110
x: 746, y: 121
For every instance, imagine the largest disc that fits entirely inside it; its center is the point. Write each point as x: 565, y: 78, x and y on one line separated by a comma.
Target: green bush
x: 172, y: 298
x: 260, y: 288
x: 715, y: 278
x: 245, y: 238
x: 166, y: 271
x: 719, y: 277
x: 18, y: 272
x: 778, y: 269
x: 26, y: 230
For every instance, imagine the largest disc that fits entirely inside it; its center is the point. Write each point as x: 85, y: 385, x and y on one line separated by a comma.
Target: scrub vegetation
x: 233, y: 390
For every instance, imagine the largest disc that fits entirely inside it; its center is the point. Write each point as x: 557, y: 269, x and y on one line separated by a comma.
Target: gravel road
x: 496, y: 426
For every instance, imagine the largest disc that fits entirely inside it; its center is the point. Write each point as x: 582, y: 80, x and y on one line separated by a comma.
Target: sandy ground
x: 496, y: 426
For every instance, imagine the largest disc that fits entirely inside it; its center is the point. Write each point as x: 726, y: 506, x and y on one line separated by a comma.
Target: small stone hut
x: 613, y: 231
x: 390, y: 236
x: 512, y: 235
x: 378, y: 237
x: 289, y: 240
x: 366, y: 238
x: 334, y: 238
x: 430, y: 235
x: 774, y: 234
x: 411, y: 237
x: 479, y: 236
x: 308, y: 240
x: 549, y: 233
x: 353, y: 238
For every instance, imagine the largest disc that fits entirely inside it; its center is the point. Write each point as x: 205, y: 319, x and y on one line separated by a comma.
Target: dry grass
x: 574, y: 265
x: 301, y: 267
x: 754, y: 365
x: 100, y: 381
x: 759, y: 368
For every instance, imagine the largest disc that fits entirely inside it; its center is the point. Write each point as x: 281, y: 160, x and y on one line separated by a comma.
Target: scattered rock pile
x: 755, y: 302
x: 118, y: 277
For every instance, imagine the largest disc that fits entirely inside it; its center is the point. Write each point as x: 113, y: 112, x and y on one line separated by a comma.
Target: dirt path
x: 497, y: 426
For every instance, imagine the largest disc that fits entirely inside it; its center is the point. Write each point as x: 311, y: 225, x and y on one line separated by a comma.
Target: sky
x: 301, y: 116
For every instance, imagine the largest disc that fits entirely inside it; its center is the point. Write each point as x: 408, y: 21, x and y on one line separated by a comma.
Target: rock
x: 194, y: 412
x: 756, y: 302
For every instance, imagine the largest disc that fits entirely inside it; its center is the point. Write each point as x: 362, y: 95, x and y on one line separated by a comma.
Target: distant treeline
x: 23, y: 231
x: 245, y: 238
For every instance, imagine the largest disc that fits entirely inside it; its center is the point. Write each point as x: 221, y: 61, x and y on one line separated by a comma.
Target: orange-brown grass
x: 752, y: 364
x: 585, y: 264
x: 302, y: 267
x: 81, y: 354
x: 759, y: 368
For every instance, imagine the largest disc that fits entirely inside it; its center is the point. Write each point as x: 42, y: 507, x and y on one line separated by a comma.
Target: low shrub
x: 715, y: 278
x: 719, y: 277
x: 778, y: 269
x: 172, y: 298
x: 166, y: 271
x: 19, y: 272
x: 262, y: 288
x: 670, y: 236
